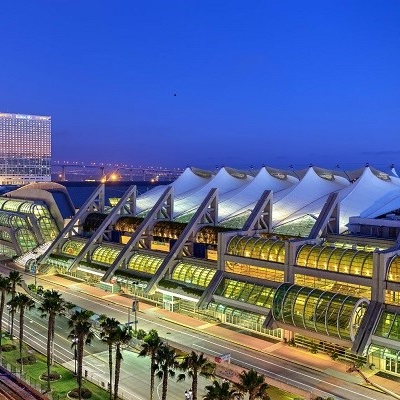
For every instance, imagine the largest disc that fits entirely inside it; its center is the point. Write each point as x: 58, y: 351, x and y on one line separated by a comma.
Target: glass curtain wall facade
x: 25, y: 148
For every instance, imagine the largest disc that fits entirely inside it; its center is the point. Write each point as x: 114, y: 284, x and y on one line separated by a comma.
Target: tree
x: 123, y: 336
x: 152, y: 342
x: 253, y: 383
x: 21, y: 302
x: 52, y: 305
x: 194, y: 365
x: 218, y: 391
x: 166, y: 364
x: 82, y: 334
x: 5, y: 287
x: 109, y: 330
x: 15, y: 279
x: 140, y: 334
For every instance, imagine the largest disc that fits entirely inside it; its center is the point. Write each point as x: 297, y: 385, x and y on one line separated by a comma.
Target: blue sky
x: 256, y: 82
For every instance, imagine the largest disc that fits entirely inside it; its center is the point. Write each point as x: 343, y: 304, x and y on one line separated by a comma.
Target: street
x: 311, y: 380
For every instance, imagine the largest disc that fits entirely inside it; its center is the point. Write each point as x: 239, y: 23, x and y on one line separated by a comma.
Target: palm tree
x: 166, y: 364
x: 16, y: 279
x: 218, y: 391
x: 109, y: 329
x: 123, y: 336
x: 196, y: 364
x: 82, y: 334
x: 253, y: 383
x: 51, y: 306
x: 152, y: 342
x: 5, y: 287
x: 21, y: 302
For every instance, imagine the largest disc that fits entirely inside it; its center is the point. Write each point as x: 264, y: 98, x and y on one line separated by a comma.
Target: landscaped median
x: 35, y: 366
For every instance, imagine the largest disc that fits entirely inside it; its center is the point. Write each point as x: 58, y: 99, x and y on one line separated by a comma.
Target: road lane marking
x: 118, y: 308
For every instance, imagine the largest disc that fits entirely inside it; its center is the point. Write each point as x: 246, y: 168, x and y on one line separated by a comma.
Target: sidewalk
x: 319, y: 362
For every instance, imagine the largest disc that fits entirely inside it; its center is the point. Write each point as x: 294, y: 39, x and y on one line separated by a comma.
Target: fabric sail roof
x: 247, y: 197
x: 189, y: 181
x: 228, y: 181
x: 367, y: 192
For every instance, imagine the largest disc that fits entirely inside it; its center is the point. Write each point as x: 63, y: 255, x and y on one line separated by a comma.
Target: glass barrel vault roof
x: 246, y: 292
x: 345, y: 261
x: 328, y: 313
x: 193, y: 274
x: 258, y: 248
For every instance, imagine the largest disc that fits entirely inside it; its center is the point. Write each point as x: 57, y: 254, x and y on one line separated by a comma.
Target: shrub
x: 86, y: 393
x: 54, y: 376
x: 40, y: 290
x: 140, y: 334
x: 29, y: 360
x: 8, y: 347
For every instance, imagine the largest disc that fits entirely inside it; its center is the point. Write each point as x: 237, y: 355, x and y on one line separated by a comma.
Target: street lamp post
x: 35, y: 272
x: 9, y: 317
x: 135, y: 306
x: 35, y: 267
x: 75, y: 343
x: 135, y: 309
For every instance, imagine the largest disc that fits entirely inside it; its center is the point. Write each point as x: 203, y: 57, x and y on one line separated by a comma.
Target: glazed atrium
x: 309, y: 257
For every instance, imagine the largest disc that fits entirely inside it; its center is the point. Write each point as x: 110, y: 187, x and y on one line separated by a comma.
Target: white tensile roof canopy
x: 366, y: 192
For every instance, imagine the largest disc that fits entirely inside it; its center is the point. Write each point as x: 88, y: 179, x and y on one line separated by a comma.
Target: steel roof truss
x: 100, y: 234
x: 162, y: 210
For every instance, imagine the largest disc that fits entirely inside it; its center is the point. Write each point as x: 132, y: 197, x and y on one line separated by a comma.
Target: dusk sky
x: 208, y: 82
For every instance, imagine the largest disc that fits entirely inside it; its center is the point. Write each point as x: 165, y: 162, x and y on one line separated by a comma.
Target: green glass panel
x: 104, y: 254
x: 145, y: 263
x: 258, y: 248
x: 385, y: 323
x: 393, y: 274
x: 302, y: 255
x: 25, y: 239
x: 232, y: 245
x: 313, y: 256
x: 395, y: 330
x: 12, y: 205
x: 299, y: 305
x: 333, y: 263
x: 72, y: 247
x: 309, y: 311
x: 193, y: 274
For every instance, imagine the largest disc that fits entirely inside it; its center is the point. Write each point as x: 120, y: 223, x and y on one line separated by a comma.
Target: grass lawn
x: 33, y: 372
x: 278, y: 394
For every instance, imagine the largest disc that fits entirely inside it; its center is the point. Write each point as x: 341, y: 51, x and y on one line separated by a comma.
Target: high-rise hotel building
x: 25, y: 148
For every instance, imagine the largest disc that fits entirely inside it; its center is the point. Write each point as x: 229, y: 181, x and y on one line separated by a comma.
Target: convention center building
x: 308, y: 257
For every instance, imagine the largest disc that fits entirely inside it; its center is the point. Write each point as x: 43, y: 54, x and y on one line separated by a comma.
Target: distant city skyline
x: 208, y: 84
x: 331, y: 166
